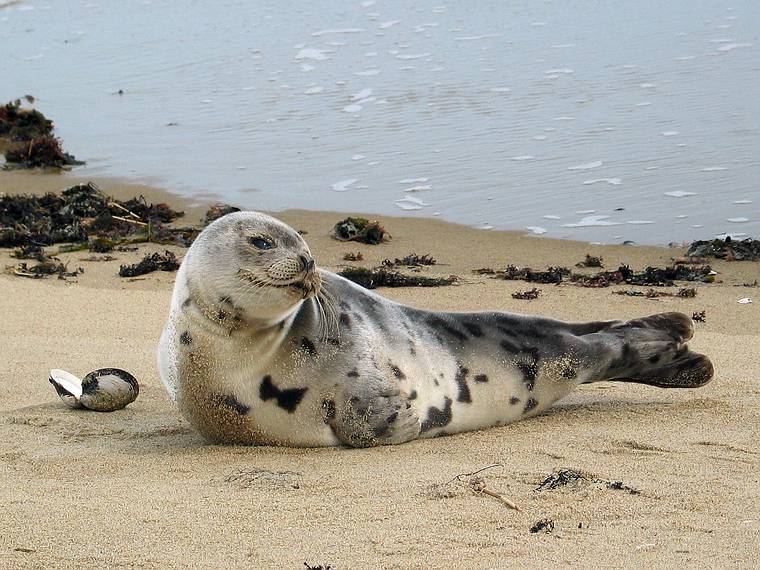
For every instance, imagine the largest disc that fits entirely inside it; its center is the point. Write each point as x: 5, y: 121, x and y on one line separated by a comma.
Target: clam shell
x: 68, y: 386
x: 108, y: 389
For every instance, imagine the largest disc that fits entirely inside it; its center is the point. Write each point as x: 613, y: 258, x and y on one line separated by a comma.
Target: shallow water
x: 599, y: 121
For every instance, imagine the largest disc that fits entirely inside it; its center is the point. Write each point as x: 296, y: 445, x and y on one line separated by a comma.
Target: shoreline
x: 38, y: 182
x: 692, y: 454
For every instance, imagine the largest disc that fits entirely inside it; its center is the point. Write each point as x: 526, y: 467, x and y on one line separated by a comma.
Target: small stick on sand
x: 123, y: 209
x: 127, y: 220
x: 478, y: 485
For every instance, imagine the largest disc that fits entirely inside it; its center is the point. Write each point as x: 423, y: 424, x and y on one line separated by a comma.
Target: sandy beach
x: 139, y: 488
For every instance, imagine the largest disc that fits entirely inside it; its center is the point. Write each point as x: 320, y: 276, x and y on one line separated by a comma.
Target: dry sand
x: 138, y: 488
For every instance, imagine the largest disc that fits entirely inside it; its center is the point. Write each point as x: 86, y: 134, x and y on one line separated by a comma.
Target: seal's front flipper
x: 371, y: 414
x: 652, y: 350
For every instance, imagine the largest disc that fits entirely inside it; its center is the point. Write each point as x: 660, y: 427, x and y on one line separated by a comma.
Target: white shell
x: 68, y: 386
x: 104, y: 390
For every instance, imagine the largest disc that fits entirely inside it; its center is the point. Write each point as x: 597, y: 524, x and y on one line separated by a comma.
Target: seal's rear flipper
x: 692, y: 370
x: 652, y: 350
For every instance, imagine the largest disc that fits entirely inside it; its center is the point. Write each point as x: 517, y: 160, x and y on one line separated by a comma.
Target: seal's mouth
x: 306, y: 287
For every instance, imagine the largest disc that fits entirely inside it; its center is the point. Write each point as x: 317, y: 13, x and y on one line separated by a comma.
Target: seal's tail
x: 652, y: 350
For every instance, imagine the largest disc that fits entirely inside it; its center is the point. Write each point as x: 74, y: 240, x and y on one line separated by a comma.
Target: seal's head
x: 251, y: 266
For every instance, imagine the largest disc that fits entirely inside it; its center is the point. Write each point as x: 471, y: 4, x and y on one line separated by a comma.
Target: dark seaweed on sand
x: 528, y: 295
x: 568, y: 477
x: 551, y: 275
x: 590, y: 261
x: 17, y: 124
x: 543, y: 525
x: 46, y: 267
x: 381, y: 277
x: 27, y: 136
x: 728, y: 249
x: 79, y: 212
x: 411, y: 260
x: 360, y: 229
x: 699, y: 316
x: 651, y: 276
x: 216, y: 211
x: 166, y: 261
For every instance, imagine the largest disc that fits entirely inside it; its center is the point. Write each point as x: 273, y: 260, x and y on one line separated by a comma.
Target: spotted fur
x: 253, y: 363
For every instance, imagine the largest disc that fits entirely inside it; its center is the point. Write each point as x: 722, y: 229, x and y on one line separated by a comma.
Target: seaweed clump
x: 728, y: 249
x: 361, y: 230
x: 79, y: 212
x: 411, y: 260
x: 683, y: 293
x: 155, y: 262
x: 351, y: 256
x: 590, y: 261
x: 45, y: 267
x: 570, y: 477
x: 381, y: 277
x: 528, y: 295
x: 551, y: 275
x: 543, y: 525
x: 651, y: 276
x: 27, y: 136
x: 216, y: 211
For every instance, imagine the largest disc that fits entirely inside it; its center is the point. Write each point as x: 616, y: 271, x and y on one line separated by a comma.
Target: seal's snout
x: 307, y: 263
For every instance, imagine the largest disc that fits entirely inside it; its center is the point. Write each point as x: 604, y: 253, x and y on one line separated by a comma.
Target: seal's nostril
x: 306, y: 262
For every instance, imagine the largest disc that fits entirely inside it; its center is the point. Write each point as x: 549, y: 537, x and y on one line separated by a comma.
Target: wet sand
x: 138, y: 488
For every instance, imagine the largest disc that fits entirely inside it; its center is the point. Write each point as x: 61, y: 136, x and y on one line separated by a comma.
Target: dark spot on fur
x: 514, y: 400
x: 226, y: 300
x: 186, y: 302
x: 654, y: 359
x: 624, y: 360
x: 413, y: 395
x: 397, y: 372
x: 308, y: 346
x: 437, y: 417
x: 345, y: 306
x: 435, y: 381
x: 233, y: 403
x: 464, y: 389
x: 185, y: 338
x: 439, y: 323
x: 329, y: 408
x: 412, y: 350
x: 221, y: 315
x: 473, y: 329
x: 569, y: 373
x: 353, y: 374
x: 345, y: 320
x: 482, y: 378
x: 287, y: 399
x: 529, y: 372
x: 530, y: 404
x: 508, y: 346
x: 530, y: 369
x: 393, y: 417
x: 334, y: 341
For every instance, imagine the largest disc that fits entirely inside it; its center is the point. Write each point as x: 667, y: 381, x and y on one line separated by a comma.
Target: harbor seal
x: 263, y: 347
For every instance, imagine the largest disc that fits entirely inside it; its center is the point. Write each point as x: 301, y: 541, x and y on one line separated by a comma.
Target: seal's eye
x: 261, y: 242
